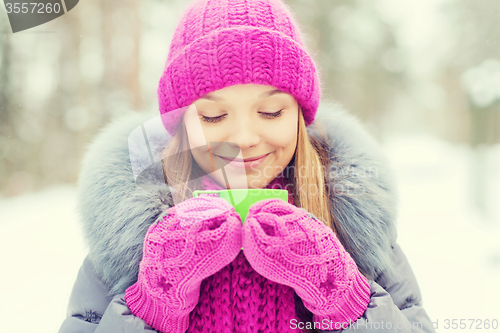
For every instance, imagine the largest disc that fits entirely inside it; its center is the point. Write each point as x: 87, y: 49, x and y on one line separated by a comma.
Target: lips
x: 247, y: 164
x: 243, y: 160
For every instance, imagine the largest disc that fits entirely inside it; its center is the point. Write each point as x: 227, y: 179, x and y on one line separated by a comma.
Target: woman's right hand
x: 197, y: 238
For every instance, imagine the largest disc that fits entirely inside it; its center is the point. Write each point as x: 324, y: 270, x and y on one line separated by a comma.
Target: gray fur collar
x: 116, y: 212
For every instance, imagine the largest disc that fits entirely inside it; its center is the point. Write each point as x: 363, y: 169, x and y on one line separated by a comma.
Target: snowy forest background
x: 423, y: 76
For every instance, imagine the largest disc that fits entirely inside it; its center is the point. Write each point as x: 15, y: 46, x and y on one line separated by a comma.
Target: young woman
x: 238, y: 100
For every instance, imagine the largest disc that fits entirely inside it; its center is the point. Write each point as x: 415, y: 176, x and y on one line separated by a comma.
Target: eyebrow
x: 263, y: 95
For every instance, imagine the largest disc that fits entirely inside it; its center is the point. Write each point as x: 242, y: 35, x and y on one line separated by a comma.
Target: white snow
x: 452, y: 247
x: 42, y: 249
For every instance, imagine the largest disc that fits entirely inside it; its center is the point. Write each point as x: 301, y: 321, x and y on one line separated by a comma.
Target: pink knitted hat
x: 219, y: 43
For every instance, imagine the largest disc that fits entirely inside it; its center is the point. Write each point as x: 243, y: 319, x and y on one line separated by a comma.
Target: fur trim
x: 116, y: 209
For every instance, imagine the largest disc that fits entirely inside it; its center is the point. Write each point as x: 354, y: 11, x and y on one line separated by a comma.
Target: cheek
x: 286, y: 134
x: 198, y: 136
x: 195, y: 135
x: 197, y: 139
x: 286, y: 139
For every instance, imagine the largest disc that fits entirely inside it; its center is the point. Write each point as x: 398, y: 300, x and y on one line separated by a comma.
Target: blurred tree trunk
x: 484, y: 123
x: 6, y: 132
x: 478, y: 34
x: 122, y: 66
x: 348, y: 40
x: 82, y: 100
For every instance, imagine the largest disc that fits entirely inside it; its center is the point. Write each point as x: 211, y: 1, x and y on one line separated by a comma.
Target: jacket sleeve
x: 91, y: 309
x: 395, y: 305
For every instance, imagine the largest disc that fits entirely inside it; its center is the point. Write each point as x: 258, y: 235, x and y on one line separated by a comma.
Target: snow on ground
x: 453, y: 248
x: 42, y: 250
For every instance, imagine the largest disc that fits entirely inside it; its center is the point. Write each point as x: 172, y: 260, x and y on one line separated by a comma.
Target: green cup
x: 242, y: 199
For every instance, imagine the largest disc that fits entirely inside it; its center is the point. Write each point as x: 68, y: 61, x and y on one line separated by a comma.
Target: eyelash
x: 219, y: 118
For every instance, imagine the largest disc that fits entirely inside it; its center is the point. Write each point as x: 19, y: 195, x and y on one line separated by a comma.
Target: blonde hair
x: 311, y: 157
x: 178, y: 165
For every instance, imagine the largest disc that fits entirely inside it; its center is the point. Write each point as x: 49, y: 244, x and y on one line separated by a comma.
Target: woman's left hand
x: 290, y: 246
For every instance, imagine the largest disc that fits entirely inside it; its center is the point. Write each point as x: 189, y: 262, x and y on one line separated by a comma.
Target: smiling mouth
x: 243, y: 160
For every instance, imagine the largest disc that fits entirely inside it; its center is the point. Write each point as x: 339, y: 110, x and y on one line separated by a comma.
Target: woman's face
x: 238, y: 124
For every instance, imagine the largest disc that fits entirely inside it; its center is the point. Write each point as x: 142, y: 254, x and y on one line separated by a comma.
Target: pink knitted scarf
x: 238, y: 299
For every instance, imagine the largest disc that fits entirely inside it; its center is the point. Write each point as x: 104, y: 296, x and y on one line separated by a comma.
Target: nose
x: 244, y: 135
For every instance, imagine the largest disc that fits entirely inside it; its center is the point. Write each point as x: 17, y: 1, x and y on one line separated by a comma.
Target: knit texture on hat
x: 219, y: 43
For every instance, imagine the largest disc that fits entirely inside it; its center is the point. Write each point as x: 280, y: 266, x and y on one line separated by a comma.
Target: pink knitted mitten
x: 198, y: 238
x: 289, y: 246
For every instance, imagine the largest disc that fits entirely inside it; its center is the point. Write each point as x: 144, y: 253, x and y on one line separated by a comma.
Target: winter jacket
x: 122, y: 191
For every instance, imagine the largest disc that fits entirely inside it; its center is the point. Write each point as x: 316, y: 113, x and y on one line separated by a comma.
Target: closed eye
x: 213, y: 119
x: 264, y: 114
x: 273, y: 115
